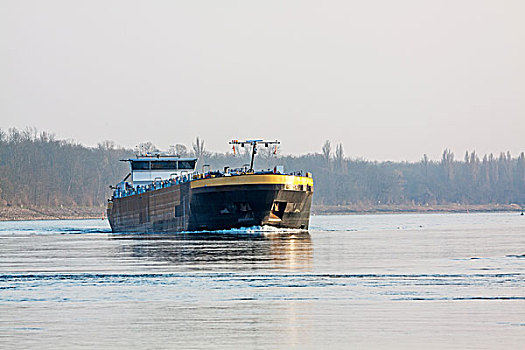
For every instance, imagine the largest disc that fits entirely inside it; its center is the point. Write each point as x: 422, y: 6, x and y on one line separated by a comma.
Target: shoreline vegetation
x: 42, y: 177
x: 26, y: 213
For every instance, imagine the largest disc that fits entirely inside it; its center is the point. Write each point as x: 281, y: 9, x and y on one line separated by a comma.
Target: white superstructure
x: 150, y: 168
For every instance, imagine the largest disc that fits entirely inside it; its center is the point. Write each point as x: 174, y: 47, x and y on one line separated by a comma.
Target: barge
x: 164, y: 193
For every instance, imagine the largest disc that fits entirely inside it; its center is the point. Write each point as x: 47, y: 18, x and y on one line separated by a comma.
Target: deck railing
x: 130, y: 190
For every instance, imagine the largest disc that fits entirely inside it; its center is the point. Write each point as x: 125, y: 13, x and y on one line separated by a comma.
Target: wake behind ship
x: 166, y: 194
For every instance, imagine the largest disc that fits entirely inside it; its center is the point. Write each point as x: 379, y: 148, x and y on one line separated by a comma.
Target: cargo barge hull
x: 223, y: 203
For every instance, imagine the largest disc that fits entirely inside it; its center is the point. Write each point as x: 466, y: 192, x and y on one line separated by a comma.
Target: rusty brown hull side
x: 162, y: 210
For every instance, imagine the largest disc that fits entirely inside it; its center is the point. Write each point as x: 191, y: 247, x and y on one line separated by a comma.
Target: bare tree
x: 47, y: 137
x: 424, y: 162
x: 327, y: 151
x: 107, y: 145
x: 181, y: 150
x: 198, y: 148
x: 339, y: 158
x: 447, y: 162
x: 147, y: 147
x: 269, y: 152
x: 199, y: 152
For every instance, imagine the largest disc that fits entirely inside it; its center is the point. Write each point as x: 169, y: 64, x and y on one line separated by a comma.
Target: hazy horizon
x: 388, y: 80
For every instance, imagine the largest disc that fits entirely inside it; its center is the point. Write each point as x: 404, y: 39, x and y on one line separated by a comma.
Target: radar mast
x: 254, y: 144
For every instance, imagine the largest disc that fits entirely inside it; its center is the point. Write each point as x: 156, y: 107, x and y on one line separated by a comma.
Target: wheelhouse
x: 147, y: 169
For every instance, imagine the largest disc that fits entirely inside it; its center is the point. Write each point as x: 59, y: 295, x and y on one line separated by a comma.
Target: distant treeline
x: 37, y: 169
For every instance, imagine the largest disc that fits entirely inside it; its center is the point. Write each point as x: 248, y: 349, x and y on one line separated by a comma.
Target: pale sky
x: 390, y: 80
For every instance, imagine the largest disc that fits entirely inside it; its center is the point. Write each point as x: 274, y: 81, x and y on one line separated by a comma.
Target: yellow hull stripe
x: 267, y: 179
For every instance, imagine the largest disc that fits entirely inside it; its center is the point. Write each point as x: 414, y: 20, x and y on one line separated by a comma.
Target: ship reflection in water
x: 289, y: 250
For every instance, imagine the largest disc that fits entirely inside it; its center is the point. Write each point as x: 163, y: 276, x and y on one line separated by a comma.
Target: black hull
x: 249, y: 205
x: 183, y: 208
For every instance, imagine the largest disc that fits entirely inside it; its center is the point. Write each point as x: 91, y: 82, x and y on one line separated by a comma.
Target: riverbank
x: 406, y: 208
x: 19, y: 213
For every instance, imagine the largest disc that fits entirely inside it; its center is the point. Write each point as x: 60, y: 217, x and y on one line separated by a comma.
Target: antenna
x: 254, y: 144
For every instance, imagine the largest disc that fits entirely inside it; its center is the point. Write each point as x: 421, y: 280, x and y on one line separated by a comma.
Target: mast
x: 254, y: 144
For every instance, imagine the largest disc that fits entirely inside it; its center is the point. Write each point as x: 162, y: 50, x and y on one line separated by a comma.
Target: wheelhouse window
x: 164, y: 165
x: 187, y: 164
x: 140, y: 165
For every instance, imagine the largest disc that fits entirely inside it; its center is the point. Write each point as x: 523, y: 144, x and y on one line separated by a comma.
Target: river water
x: 409, y: 281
